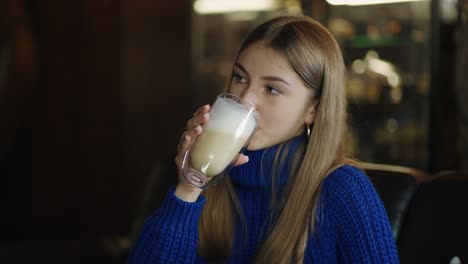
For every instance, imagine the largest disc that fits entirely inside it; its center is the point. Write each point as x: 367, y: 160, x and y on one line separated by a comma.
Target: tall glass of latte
x: 226, y: 134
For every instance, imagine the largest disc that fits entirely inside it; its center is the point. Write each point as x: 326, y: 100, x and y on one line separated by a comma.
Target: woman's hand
x: 185, y: 190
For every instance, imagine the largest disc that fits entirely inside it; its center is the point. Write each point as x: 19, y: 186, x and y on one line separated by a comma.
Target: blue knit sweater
x: 352, y: 225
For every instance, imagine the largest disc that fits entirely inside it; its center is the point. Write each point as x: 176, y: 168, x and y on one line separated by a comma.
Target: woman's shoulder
x: 347, y: 174
x: 349, y: 180
x: 348, y: 192
x: 352, y: 209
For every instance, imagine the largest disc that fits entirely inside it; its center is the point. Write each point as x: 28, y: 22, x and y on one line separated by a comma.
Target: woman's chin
x: 253, y: 145
x: 256, y: 145
x: 249, y: 148
x: 258, y: 142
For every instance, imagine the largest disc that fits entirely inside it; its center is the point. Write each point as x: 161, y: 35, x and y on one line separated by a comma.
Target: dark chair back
x: 436, y: 226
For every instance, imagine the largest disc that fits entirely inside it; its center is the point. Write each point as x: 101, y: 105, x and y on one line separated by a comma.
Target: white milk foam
x: 229, y: 117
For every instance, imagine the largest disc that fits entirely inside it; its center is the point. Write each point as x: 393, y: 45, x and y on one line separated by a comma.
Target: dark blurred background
x: 94, y: 95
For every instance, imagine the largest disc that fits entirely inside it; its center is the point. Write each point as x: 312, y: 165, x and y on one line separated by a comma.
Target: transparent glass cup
x: 225, y: 136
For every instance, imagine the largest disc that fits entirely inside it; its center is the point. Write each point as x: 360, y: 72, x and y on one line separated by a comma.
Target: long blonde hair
x: 312, y: 52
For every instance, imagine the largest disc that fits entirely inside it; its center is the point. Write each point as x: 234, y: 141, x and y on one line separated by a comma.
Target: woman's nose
x: 249, y: 96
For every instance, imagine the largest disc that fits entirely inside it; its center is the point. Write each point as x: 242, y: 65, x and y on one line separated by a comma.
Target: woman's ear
x: 310, y: 114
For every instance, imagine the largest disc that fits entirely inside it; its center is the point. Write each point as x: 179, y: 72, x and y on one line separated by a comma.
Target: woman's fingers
x: 187, y: 138
x: 241, y: 160
x: 204, y: 109
x: 194, y: 128
x: 195, y: 132
x: 199, y: 118
x: 185, y: 143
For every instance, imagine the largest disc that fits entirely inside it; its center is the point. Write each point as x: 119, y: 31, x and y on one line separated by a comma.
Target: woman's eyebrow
x: 238, y: 65
x: 268, y: 78
x: 275, y: 79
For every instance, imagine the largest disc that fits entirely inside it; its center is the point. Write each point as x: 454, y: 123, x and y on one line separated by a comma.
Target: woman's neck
x: 268, y: 166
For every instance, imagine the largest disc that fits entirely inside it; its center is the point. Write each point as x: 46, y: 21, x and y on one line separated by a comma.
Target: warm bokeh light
x: 367, y: 2
x: 227, y: 6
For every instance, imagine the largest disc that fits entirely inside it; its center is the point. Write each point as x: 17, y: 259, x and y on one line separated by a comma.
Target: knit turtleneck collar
x: 257, y: 173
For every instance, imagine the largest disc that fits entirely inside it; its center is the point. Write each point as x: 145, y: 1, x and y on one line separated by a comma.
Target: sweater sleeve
x: 171, y: 234
x: 363, y: 230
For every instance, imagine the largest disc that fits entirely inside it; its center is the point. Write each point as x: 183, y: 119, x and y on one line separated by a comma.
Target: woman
x: 292, y: 198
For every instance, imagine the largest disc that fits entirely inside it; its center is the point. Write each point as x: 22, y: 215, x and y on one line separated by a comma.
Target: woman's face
x: 263, y: 78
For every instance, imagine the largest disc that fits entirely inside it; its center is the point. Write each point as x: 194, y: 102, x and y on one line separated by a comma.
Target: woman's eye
x: 238, y: 78
x: 271, y: 90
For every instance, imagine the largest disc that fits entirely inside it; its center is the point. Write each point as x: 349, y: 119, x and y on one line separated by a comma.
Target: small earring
x: 308, y: 130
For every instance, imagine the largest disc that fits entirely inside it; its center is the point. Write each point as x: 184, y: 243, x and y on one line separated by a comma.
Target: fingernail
x: 198, y: 128
x: 247, y: 158
x: 206, y: 115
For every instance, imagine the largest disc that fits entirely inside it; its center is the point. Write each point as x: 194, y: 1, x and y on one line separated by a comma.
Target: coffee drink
x: 224, y: 135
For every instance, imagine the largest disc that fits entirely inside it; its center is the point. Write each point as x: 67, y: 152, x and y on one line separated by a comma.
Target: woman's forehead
x: 262, y: 58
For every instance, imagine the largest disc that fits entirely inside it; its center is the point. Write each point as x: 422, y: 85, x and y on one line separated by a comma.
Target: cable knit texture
x: 351, y: 227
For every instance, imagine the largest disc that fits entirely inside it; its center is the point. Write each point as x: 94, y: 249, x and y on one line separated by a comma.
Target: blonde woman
x: 293, y: 198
